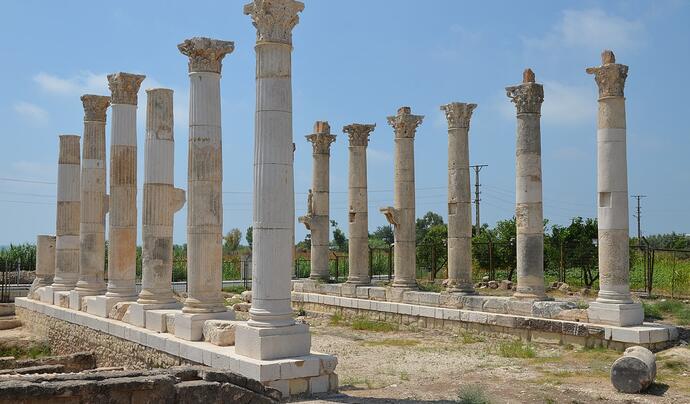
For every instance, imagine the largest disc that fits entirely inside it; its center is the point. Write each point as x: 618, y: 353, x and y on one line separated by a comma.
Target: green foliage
x: 237, y: 289
x: 502, y: 257
x: 472, y: 394
x: 668, y: 309
x: 430, y: 287
x: 384, y: 234
x: 572, y: 247
x: 432, y: 252
x: 339, y: 240
x: 515, y: 349
x: 336, y: 319
x: 32, y: 352
x: 249, y: 236
x: 231, y: 241
x: 369, y: 325
x: 21, y: 256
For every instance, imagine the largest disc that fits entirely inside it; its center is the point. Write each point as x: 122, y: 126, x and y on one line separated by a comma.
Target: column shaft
x: 68, y: 210
x: 45, y: 260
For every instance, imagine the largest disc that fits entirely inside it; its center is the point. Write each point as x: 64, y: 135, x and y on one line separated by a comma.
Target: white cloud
x: 84, y: 83
x: 31, y: 112
x: 591, y: 29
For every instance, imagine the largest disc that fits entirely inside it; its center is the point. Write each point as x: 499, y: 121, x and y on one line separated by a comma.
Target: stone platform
x: 313, y: 373
x: 543, y: 321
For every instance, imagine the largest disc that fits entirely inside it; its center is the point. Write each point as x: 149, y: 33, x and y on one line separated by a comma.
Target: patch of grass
x: 668, y: 308
x: 335, y: 319
x: 515, y: 349
x: 651, y: 311
x: 399, y: 342
x: 430, y: 287
x: 675, y: 365
x: 301, y: 312
x: 467, y: 337
x: 369, y: 325
x: 33, y: 352
x: 582, y: 304
x: 472, y: 394
x: 237, y: 289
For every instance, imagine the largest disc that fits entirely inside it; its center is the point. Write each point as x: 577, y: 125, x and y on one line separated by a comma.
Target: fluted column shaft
x: 529, y: 214
x: 161, y: 200
x: 205, y: 176
x: 94, y: 202
x: 122, y: 231
x: 402, y: 214
x: 459, y: 198
x: 68, y: 210
x: 358, y: 218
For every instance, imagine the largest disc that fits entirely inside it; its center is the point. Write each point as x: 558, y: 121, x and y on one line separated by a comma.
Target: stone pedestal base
x: 76, y: 299
x: 101, y: 305
x: 158, y: 320
x: 272, y: 343
x: 136, y: 313
x: 622, y: 315
x: 189, y: 326
x: 46, y: 294
x: 61, y: 298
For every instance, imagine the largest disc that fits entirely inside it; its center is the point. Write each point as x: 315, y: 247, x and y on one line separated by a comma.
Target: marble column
x: 94, y: 201
x: 271, y: 332
x: 614, y: 304
x: 402, y: 214
x: 529, y: 210
x: 122, y: 222
x: 358, y: 219
x: 205, y: 176
x: 45, y: 264
x: 317, y: 218
x: 161, y: 201
x: 68, y: 208
x: 459, y: 198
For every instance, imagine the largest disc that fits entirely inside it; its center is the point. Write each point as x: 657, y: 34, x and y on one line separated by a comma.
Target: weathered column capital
x: 274, y: 19
x: 321, y: 139
x: 404, y: 123
x: 124, y: 87
x: 205, y: 54
x: 95, y: 107
x: 527, y: 96
x: 458, y: 114
x: 610, y: 76
x: 358, y: 133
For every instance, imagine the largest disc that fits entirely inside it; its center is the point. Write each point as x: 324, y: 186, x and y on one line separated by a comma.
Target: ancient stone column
x: 317, y: 218
x: 358, y: 229
x: 94, y: 201
x: 459, y: 198
x: 122, y: 222
x: 271, y: 331
x: 205, y: 176
x: 68, y: 207
x: 402, y: 214
x: 45, y: 264
x: 161, y: 201
x: 614, y: 304
x: 529, y: 210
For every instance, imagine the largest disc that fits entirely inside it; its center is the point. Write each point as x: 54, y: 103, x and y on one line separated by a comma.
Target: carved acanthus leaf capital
x: 274, y: 19
x: 124, y: 87
x: 404, y: 123
x: 321, y: 142
x: 458, y: 114
x: 95, y: 107
x: 359, y: 133
x: 205, y: 54
x: 610, y: 76
x: 527, y: 97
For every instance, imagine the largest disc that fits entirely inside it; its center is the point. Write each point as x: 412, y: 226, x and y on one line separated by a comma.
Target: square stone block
x: 272, y: 343
x: 101, y: 305
x: 189, y: 326
x: 46, y: 294
x: 348, y: 290
x: 76, y: 299
x: 61, y: 299
x: 157, y: 320
x: 136, y: 313
x: 319, y: 384
x: 621, y: 315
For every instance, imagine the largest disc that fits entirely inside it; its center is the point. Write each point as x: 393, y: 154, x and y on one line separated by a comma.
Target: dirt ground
x: 439, y: 366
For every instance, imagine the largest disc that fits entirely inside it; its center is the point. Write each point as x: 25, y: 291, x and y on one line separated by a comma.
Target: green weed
x: 369, y: 325
x: 472, y: 394
x: 515, y: 349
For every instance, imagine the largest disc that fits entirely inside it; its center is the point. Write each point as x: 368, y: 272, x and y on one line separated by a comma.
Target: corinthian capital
x: 458, y: 114
x: 359, y: 133
x: 404, y: 123
x: 205, y: 54
x: 610, y: 76
x: 124, y: 87
x: 95, y: 107
x: 528, y: 96
x: 274, y: 19
x: 321, y: 139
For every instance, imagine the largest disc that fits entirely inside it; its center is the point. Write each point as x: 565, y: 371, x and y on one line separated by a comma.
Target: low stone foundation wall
x: 177, y: 385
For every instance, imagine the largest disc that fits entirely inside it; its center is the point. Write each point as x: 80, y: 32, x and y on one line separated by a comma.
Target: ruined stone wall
x: 66, y: 338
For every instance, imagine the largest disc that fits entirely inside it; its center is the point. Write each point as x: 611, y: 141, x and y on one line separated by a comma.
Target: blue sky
x: 358, y: 61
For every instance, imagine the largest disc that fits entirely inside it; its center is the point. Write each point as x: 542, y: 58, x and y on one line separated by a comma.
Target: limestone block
x: 119, y: 310
x: 496, y: 305
x: 102, y: 305
x: 62, y: 299
x: 46, y: 294
x: 189, y: 326
x: 377, y: 293
x: 616, y: 314
x: 634, y: 371
x: 348, y: 290
x: 429, y: 298
x: 319, y: 384
x: 246, y: 296
x: 272, y: 343
x: 157, y: 320
x: 550, y: 309
x: 220, y: 332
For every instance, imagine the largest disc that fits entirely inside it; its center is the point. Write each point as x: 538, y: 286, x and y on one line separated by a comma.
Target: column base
x: 137, y: 312
x: 189, y: 326
x: 405, y: 284
x: 76, y: 299
x: 46, y: 294
x: 462, y: 289
x: 271, y: 343
x: 320, y: 278
x: 531, y: 296
x: 623, y: 315
x: 359, y: 280
x: 101, y: 305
